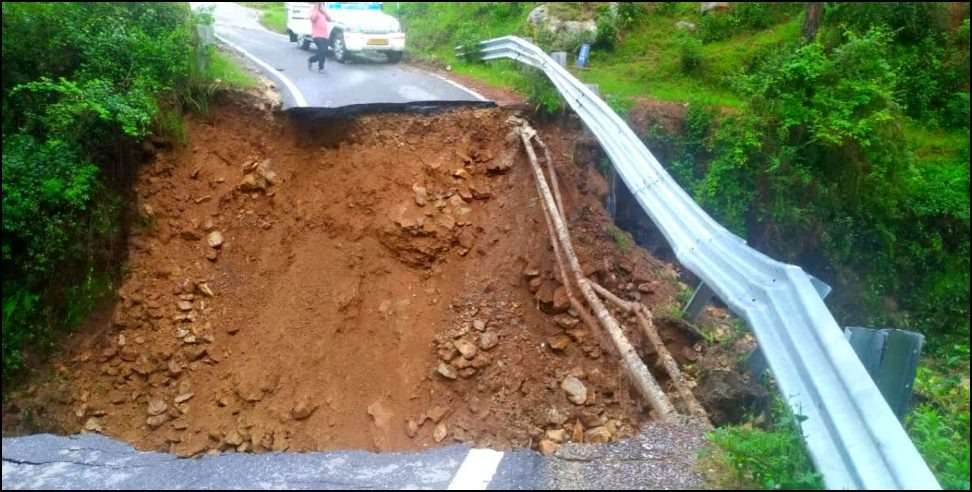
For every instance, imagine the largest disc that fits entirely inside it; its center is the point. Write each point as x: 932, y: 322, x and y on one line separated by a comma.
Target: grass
x: 772, y: 456
x: 931, y: 144
x: 939, y: 423
x: 273, y: 15
x: 621, y: 239
x: 646, y: 63
x: 224, y: 68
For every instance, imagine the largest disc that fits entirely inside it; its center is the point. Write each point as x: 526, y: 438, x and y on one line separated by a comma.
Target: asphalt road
x: 662, y: 457
x: 364, y: 80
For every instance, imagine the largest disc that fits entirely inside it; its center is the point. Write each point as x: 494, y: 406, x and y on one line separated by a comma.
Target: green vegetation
x: 273, y: 15
x: 621, y: 239
x: 224, y: 69
x: 83, y: 85
x: 939, y: 424
x: 848, y: 154
x: 772, y: 457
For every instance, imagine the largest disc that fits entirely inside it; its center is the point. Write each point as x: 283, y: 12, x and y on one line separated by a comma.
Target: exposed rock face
x: 713, y: 6
x: 565, y: 33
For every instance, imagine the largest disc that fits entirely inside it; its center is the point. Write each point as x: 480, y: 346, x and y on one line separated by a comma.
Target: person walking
x: 319, y: 31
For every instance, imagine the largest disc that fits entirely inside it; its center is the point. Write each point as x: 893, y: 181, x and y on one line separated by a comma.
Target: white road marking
x: 477, y: 470
x: 298, y: 96
x: 460, y: 86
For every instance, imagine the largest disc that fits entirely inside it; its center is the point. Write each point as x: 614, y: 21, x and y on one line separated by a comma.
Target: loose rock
x: 303, y: 409
x: 93, y: 424
x: 214, y: 239
x: 575, y: 389
x: 156, y: 421
x: 488, y: 340
x: 466, y: 348
x: 446, y: 371
x: 184, y: 397
x: 598, y: 435
x: 559, y: 343
x: 440, y: 432
x: 157, y: 407
x: 547, y: 447
x: 556, y: 435
x: 411, y: 428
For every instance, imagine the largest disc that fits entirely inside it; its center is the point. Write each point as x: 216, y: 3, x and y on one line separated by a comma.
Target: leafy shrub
x: 541, y: 93
x: 716, y: 26
x: 743, y: 17
x: 815, y: 168
x: 81, y: 86
x: 608, y: 28
x: 957, y: 111
x: 939, y: 425
x: 630, y: 14
x: 770, y: 458
x: 932, y: 63
x: 689, y: 54
x: 909, y: 21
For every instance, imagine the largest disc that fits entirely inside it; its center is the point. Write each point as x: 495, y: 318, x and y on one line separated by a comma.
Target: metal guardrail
x: 853, y: 437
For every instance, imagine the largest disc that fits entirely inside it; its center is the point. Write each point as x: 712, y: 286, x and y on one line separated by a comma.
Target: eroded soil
x: 382, y: 283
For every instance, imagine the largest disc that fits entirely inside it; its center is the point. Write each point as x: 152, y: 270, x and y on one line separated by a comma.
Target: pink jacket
x: 319, y: 23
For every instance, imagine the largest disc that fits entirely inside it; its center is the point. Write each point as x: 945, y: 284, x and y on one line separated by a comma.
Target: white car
x: 355, y: 27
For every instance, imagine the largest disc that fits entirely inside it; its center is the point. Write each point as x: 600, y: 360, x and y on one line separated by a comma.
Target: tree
x: 811, y: 21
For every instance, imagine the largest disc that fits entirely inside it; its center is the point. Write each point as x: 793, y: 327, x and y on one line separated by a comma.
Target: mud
x: 383, y: 283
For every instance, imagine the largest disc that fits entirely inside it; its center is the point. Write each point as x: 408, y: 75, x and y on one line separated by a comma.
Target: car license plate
x: 378, y: 42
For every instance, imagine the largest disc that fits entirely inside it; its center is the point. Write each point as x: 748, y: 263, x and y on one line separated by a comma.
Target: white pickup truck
x: 355, y: 27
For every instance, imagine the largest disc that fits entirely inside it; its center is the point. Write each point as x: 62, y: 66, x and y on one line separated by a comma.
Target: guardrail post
x: 891, y: 358
x: 612, y: 197
x: 702, y: 295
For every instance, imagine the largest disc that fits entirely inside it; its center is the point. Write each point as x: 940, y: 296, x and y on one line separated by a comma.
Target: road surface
x: 362, y: 81
x: 661, y: 457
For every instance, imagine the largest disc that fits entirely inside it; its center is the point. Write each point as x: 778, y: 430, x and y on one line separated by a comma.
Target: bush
x: 815, y: 170
x: 932, y: 63
x: 743, y: 17
x: 608, y: 28
x: 909, y: 21
x: 939, y: 425
x: 81, y: 86
x: 689, y: 54
x: 541, y: 93
x: 770, y: 458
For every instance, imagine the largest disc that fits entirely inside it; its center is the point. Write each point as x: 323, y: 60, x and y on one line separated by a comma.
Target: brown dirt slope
x: 381, y: 283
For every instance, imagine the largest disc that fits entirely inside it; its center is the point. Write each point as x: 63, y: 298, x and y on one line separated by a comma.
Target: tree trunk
x: 811, y: 21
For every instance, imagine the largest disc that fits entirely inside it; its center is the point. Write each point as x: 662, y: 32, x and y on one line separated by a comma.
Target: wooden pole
x: 644, y: 317
x: 642, y: 379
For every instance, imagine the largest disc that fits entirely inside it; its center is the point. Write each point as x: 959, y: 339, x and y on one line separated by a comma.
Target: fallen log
x: 639, y: 374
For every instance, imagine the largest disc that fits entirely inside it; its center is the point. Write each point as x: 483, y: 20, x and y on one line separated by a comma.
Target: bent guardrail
x: 853, y: 437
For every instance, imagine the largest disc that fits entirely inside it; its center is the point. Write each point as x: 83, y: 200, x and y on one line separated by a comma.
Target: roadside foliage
x: 83, y: 85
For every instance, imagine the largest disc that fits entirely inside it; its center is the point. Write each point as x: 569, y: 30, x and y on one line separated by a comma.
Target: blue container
x: 585, y: 51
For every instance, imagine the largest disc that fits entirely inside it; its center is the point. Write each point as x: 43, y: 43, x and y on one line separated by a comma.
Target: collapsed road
x: 417, y: 304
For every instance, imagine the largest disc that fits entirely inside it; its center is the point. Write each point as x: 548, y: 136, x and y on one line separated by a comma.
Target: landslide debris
x: 390, y: 290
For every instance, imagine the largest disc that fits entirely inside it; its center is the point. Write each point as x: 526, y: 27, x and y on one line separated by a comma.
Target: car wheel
x: 394, y: 56
x: 293, y: 36
x: 339, y: 49
x: 305, y: 44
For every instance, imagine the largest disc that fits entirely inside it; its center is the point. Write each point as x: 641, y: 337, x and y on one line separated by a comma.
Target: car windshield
x: 354, y: 5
